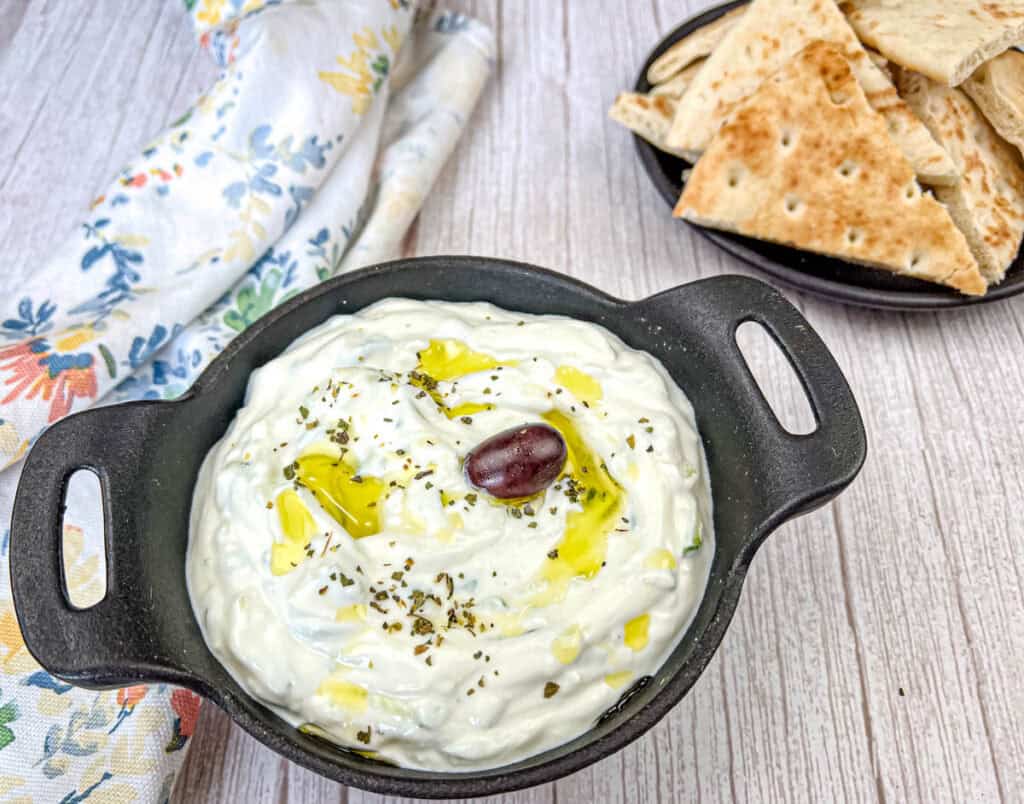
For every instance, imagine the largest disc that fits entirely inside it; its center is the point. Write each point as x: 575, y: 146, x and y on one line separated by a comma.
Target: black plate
x: 147, y: 456
x: 823, y: 276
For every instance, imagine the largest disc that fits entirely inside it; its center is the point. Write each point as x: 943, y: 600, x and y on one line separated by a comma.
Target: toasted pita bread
x: 881, y: 62
x: 945, y: 40
x: 988, y: 203
x: 764, y: 39
x: 807, y: 162
x: 646, y: 115
x: 677, y: 84
x: 997, y: 87
x: 695, y: 46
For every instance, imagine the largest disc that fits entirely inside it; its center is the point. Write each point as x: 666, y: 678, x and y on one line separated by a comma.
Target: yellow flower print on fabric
x: 14, y: 657
x: 366, y: 40
x: 71, y: 339
x: 86, y: 729
x: 390, y: 34
x: 364, y: 70
x: 356, y: 83
x: 81, y: 569
x: 129, y: 757
x: 10, y: 442
x: 211, y: 12
x: 9, y: 783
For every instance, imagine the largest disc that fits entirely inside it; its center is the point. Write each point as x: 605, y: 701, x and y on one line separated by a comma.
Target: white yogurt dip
x: 345, y: 572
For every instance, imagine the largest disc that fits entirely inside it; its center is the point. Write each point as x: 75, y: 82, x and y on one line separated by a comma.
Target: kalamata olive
x: 517, y: 463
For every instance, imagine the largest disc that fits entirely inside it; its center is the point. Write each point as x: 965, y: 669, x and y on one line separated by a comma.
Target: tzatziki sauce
x: 347, y: 574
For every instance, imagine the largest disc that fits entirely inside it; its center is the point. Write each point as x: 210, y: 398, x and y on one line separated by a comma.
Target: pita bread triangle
x: 997, y: 87
x: 806, y: 162
x: 677, y: 84
x: 942, y: 39
x: 694, y: 46
x: 988, y: 203
x: 768, y: 35
x: 646, y: 115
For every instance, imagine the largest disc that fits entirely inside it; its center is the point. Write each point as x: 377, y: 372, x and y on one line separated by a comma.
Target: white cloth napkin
x: 310, y: 156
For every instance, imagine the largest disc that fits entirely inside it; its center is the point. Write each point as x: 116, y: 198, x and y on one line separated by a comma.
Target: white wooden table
x: 878, y: 651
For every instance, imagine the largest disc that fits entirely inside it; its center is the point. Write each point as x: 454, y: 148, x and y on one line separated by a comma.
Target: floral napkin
x: 309, y: 156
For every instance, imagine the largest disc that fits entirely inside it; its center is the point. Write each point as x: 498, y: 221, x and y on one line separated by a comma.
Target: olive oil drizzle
x: 446, y: 361
x: 584, y: 546
x: 635, y: 634
x: 580, y: 384
x: 298, y: 527
x: 449, y: 359
x: 350, y: 499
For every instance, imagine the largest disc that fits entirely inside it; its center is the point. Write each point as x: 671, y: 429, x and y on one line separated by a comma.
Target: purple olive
x: 517, y: 463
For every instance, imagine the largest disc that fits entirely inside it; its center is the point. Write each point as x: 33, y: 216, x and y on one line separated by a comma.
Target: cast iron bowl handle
x: 789, y: 474
x: 71, y: 643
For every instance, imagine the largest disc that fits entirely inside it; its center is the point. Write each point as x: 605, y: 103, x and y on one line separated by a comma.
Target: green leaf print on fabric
x: 252, y: 302
x: 8, y: 714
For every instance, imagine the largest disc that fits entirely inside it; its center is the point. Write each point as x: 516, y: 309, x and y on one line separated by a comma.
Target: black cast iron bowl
x: 821, y: 276
x: 147, y: 456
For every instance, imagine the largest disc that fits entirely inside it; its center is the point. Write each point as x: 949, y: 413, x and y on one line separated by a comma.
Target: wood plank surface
x: 878, y: 648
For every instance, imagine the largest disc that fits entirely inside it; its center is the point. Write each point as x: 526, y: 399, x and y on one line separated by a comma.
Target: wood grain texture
x: 878, y: 647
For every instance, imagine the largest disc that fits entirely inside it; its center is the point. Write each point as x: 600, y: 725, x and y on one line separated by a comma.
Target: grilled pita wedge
x: 807, y: 162
x: 988, y: 203
x: 997, y: 87
x: 678, y: 83
x: 690, y: 48
x: 881, y: 62
x: 945, y: 40
x: 646, y: 115
x: 759, y: 44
